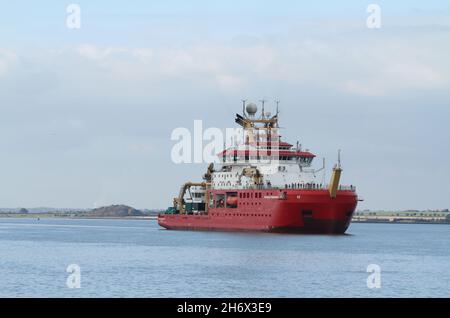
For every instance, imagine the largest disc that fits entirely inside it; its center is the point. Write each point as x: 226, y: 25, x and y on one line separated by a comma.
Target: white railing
x: 302, y: 186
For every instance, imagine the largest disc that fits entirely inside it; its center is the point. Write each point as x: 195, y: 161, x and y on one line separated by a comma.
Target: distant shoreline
x: 401, y: 222
x: 356, y: 219
x: 56, y: 216
x: 405, y: 217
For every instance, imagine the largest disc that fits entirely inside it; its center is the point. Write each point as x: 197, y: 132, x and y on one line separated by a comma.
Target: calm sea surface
x: 135, y: 258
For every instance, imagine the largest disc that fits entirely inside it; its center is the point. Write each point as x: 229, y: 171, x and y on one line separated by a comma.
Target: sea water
x: 137, y: 258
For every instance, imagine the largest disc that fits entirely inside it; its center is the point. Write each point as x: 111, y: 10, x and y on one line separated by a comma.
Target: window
x: 211, y: 200
x: 220, y: 200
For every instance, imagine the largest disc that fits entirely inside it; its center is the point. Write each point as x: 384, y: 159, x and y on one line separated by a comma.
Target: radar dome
x: 251, y: 109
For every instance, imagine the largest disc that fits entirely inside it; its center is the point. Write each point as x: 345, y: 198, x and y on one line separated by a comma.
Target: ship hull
x: 284, y: 211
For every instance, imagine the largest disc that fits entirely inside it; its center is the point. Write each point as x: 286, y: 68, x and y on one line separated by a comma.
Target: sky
x: 86, y: 114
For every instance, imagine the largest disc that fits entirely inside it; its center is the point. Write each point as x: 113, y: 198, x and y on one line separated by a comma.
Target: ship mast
x: 278, y: 103
x: 263, y: 101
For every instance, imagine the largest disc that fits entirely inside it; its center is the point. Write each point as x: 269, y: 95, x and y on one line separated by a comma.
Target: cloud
x: 379, y: 68
x: 98, y: 117
x: 89, y: 89
x: 396, y: 70
x: 7, y: 59
x: 93, y: 52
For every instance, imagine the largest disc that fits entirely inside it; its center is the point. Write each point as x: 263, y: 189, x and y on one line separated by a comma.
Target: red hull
x: 295, y: 211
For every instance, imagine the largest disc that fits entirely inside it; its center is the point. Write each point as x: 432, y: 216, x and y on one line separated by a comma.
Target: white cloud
x: 375, y: 69
x: 7, y: 59
x: 93, y: 52
x: 107, y: 111
x: 394, y: 73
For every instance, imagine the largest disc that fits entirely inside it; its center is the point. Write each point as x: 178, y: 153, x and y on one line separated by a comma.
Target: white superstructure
x: 262, y: 159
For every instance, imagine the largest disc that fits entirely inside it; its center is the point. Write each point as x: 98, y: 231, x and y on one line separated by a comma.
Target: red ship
x: 263, y: 184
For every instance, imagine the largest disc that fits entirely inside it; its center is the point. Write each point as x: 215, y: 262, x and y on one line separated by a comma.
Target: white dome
x: 251, y: 109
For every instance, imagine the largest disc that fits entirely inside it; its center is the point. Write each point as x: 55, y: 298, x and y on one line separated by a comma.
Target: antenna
x: 225, y: 152
x: 243, y: 106
x: 278, y: 103
x: 339, y: 158
x: 263, y: 101
x: 324, y: 172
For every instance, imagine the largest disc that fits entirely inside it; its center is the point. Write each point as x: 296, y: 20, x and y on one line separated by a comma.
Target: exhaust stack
x: 335, y: 178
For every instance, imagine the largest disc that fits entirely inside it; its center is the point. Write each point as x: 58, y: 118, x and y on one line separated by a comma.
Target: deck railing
x: 301, y: 186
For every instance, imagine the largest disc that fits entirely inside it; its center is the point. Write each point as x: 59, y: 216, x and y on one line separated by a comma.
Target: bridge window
x: 306, y: 160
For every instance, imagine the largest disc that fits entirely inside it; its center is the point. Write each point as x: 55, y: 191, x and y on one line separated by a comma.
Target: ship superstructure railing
x: 300, y: 186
